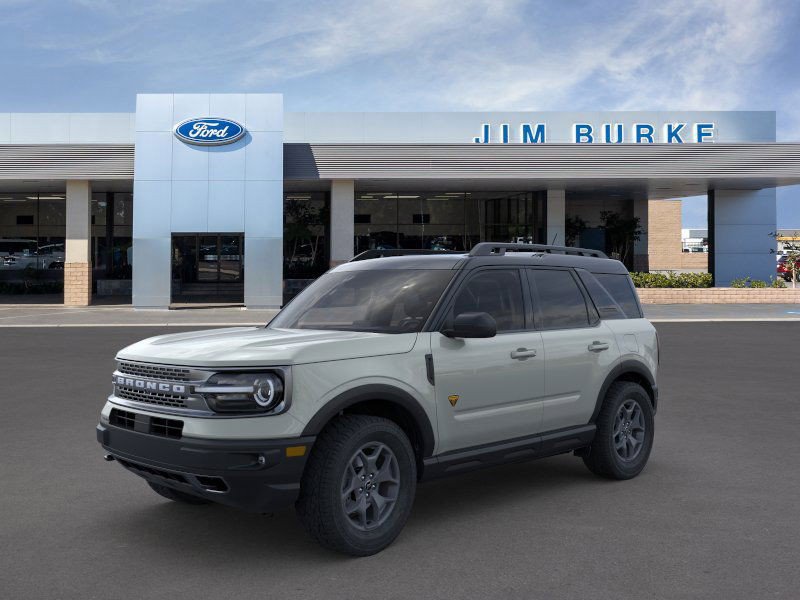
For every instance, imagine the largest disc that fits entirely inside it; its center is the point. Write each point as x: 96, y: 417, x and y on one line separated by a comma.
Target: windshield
x: 390, y: 301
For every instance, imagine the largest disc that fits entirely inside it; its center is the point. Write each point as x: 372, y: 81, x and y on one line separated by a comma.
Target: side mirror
x: 472, y: 325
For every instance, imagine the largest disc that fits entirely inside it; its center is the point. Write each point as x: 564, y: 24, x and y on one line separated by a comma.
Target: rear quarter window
x: 620, y: 288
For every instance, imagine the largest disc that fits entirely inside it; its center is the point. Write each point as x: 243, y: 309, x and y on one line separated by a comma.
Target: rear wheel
x: 359, y: 485
x: 176, y: 495
x: 625, y: 429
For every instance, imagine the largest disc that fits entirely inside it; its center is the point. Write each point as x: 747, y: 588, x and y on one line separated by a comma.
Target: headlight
x: 243, y: 392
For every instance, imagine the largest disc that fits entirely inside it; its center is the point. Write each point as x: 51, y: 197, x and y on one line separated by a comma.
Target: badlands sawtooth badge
x: 453, y: 398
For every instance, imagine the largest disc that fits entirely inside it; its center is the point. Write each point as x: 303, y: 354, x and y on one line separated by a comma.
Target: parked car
x: 386, y: 371
x: 784, y: 270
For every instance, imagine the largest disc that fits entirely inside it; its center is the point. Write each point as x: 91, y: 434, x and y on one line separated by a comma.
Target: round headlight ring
x: 264, y: 392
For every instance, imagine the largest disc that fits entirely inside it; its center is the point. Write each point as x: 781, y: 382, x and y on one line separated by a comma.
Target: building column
x: 556, y: 217
x: 740, y: 224
x: 640, y: 248
x: 342, y: 217
x: 77, y: 260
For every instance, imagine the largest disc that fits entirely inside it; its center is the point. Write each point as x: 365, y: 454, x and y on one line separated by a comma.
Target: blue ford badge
x: 209, y: 131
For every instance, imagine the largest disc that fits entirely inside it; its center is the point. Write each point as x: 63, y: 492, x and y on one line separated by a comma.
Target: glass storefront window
x: 306, y: 226
x: 32, y: 229
x: 112, y: 235
x: 447, y: 220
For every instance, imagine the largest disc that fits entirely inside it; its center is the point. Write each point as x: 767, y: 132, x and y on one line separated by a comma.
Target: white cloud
x: 338, y: 35
x: 681, y: 54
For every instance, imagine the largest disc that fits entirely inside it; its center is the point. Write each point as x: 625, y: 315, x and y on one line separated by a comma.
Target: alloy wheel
x: 370, y: 486
x: 629, y: 430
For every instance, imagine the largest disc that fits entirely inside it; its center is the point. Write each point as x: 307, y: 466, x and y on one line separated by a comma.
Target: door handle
x: 522, y: 353
x: 598, y: 346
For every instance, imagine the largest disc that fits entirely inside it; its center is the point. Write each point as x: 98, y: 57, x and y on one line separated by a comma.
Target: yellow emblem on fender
x: 453, y: 399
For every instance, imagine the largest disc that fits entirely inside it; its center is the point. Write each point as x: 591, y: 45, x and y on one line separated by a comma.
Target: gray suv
x: 387, y: 371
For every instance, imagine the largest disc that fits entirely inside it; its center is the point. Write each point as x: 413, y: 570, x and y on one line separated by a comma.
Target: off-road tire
x: 602, y: 457
x: 176, y: 495
x: 320, y: 505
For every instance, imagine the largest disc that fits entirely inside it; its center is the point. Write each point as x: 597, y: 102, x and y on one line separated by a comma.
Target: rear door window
x: 560, y: 302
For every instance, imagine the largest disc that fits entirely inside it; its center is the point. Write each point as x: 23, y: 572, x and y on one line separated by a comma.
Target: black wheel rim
x: 370, y: 486
x: 629, y: 430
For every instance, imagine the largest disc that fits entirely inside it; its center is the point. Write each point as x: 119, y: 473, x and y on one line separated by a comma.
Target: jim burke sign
x: 604, y: 133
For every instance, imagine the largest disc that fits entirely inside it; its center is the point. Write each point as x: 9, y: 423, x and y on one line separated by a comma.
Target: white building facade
x: 227, y: 198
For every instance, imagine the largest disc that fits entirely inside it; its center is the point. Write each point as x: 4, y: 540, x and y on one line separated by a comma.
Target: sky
x: 414, y: 55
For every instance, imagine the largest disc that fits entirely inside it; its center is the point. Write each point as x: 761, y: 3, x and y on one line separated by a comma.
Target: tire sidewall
x: 370, y: 541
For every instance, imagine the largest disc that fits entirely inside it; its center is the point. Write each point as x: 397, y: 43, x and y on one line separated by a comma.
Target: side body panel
x: 575, y: 373
x: 499, y: 397
x: 637, y: 341
x: 318, y: 384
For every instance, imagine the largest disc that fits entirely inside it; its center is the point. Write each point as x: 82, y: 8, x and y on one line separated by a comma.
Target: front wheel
x: 625, y: 429
x: 359, y: 485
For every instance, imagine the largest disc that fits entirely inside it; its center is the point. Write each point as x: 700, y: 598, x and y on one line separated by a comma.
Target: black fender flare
x: 626, y: 366
x: 381, y: 392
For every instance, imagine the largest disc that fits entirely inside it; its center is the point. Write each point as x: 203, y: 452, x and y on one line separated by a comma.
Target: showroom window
x: 306, y: 237
x: 32, y: 229
x: 446, y: 220
x: 112, y: 235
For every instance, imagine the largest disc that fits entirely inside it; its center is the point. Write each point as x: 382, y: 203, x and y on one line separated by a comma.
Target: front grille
x: 123, y: 418
x: 171, y: 428
x: 145, y: 470
x: 151, y: 397
x: 154, y: 371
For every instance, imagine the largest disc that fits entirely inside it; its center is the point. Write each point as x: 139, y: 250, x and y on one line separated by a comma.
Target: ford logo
x: 209, y: 131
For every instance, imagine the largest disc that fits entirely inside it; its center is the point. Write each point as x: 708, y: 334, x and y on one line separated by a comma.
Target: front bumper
x: 252, y: 475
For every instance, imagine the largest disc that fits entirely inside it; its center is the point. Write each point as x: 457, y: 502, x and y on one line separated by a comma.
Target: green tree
x: 573, y: 227
x: 621, y: 234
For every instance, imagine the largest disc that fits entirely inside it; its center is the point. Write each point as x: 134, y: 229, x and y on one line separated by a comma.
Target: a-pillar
x: 78, y: 261
x: 342, y: 220
x: 740, y: 228
x: 556, y: 217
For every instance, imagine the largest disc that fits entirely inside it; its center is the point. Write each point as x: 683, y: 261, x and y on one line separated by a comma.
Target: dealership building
x: 230, y: 198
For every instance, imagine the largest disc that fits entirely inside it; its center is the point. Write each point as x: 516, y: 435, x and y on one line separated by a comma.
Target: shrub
x: 758, y: 283
x: 777, y: 282
x: 740, y: 282
x: 672, y: 280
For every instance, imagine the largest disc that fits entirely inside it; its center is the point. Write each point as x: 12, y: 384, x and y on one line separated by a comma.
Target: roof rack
x: 368, y: 254
x: 499, y: 249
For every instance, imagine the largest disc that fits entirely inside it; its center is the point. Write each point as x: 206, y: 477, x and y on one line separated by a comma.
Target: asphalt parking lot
x: 716, y: 514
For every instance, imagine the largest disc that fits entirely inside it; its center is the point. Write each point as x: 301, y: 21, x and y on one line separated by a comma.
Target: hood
x: 257, y: 346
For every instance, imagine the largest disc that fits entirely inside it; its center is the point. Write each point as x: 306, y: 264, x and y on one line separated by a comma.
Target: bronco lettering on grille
x: 144, y: 384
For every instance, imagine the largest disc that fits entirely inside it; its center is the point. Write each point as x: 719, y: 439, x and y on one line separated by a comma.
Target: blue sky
x: 95, y: 55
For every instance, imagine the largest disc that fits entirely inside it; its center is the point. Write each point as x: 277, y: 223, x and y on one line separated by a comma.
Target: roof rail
x: 499, y: 248
x: 368, y: 254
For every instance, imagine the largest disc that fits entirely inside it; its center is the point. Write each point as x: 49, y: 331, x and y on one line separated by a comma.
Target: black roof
x: 520, y: 254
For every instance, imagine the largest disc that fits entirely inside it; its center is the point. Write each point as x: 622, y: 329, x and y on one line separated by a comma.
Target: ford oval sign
x: 209, y: 131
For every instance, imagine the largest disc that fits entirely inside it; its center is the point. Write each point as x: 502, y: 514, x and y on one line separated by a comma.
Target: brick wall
x: 719, y: 296
x: 663, y: 227
x: 77, y: 284
x: 694, y: 260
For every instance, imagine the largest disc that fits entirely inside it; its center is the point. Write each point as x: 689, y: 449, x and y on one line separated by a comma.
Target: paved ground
x: 125, y: 316
x: 41, y: 315
x: 714, y: 515
x: 722, y: 312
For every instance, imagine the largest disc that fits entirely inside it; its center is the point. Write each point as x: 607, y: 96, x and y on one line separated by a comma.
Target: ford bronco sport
x: 391, y: 370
